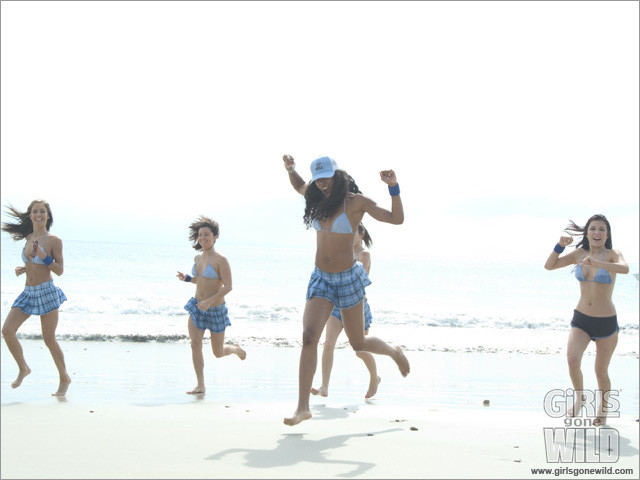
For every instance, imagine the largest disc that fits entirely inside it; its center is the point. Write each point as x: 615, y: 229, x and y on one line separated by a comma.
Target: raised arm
x: 396, y: 215
x: 296, y: 180
x: 618, y: 265
x: 556, y: 261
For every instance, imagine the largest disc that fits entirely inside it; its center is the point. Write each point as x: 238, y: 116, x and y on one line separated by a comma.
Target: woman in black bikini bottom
x: 597, y: 265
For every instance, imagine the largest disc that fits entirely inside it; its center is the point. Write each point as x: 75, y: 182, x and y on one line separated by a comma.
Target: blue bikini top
x: 340, y: 224
x: 602, y: 276
x: 209, y: 272
x: 37, y: 260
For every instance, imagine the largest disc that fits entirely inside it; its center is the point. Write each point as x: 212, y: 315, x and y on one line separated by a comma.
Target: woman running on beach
x: 42, y: 255
x: 333, y: 204
x: 594, y: 318
x: 334, y: 325
x: 207, y: 310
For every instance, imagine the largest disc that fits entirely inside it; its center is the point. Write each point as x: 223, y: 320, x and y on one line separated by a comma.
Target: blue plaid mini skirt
x: 367, y: 314
x: 40, y: 299
x: 215, y: 319
x: 343, y: 289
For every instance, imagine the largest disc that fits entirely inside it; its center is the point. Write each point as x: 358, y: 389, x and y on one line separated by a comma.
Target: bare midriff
x: 595, y: 299
x: 208, y: 287
x: 37, y: 274
x: 334, y: 252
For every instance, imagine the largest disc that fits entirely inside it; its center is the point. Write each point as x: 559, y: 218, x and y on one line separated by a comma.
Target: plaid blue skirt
x: 367, y: 314
x: 343, y: 289
x: 215, y: 319
x: 40, y: 299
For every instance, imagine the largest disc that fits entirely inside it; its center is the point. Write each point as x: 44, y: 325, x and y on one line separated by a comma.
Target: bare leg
x: 196, y: 335
x: 353, y: 322
x: 221, y: 350
x: 316, y: 313
x: 334, y: 328
x: 49, y: 323
x: 577, y: 344
x: 15, y: 319
x: 370, y: 363
x: 604, y: 351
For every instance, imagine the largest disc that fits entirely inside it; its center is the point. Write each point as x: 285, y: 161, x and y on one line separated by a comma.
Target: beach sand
x: 127, y: 416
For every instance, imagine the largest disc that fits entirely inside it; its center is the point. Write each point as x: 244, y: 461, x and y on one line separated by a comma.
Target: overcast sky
x: 502, y: 120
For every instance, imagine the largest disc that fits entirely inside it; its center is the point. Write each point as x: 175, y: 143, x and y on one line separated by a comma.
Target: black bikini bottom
x: 596, y: 327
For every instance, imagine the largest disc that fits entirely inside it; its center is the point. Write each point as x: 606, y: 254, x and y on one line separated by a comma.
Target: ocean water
x: 130, y: 293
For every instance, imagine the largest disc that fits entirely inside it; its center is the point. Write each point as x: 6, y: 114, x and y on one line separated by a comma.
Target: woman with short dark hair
x: 207, y: 309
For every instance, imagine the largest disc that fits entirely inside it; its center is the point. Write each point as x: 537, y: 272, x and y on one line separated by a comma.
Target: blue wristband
x: 187, y: 278
x: 558, y: 248
x: 47, y: 260
x: 395, y: 190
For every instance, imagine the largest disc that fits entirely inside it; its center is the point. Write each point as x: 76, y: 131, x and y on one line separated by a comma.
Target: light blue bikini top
x: 37, y: 260
x: 209, y: 272
x: 602, y: 276
x: 340, y: 224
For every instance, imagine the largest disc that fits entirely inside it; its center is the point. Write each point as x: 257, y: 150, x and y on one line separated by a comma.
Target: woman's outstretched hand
x: 288, y: 161
x: 564, y: 241
x: 389, y: 177
x: 181, y: 276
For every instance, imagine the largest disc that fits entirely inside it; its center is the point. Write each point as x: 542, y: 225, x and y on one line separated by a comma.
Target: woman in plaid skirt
x: 41, y: 255
x: 333, y: 204
x: 211, y: 274
x: 334, y: 325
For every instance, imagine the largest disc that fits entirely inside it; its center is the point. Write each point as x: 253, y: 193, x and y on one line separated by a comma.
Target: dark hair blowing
x: 195, y: 227
x: 366, y: 238
x: 318, y: 206
x: 24, y: 227
x: 575, y: 230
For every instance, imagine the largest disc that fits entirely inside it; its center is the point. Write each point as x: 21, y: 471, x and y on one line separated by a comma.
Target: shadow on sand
x: 293, y: 448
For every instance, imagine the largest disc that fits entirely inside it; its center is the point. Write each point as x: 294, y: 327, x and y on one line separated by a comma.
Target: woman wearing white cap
x: 333, y: 204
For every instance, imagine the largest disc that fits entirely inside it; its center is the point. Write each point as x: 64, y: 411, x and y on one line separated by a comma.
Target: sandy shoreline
x: 248, y: 440
x: 127, y: 416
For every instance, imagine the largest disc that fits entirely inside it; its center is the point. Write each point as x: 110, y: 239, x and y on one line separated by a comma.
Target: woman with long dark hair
x: 594, y: 318
x: 334, y: 325
x: 207, y: 310
x: 333, y: 204
x: 42, y: 255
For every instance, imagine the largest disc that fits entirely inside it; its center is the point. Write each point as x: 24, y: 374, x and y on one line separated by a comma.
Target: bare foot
x: 297, y: 418
x: 373, y: 388
x: 241, y: 354
x: 402, y: 362
x: 62, y: 388
x: 195, y: 391
x: 21, y: 374
x: 574, y: 411
x: 322, y: 391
